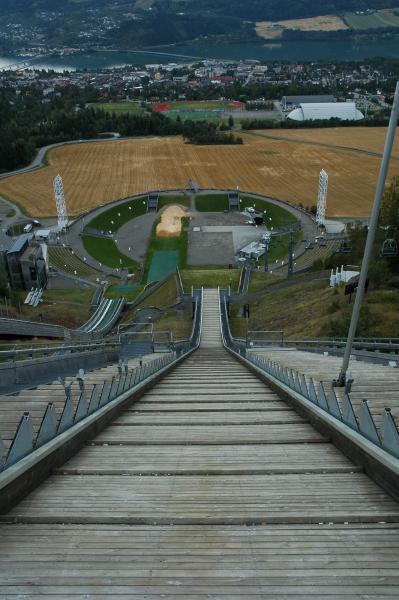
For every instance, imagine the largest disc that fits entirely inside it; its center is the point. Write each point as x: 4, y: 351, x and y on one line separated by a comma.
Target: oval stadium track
x: 210, y: 486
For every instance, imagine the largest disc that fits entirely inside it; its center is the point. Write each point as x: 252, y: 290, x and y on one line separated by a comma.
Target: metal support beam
x: 48, y: 427
x: 22, y: 443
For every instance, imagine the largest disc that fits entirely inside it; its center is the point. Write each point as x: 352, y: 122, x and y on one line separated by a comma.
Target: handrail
x: 64, y: 348
x: 314, y: 393
x: 26, y: 441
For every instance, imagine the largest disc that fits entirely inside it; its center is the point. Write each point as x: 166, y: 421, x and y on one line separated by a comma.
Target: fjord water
x: 290, y: 50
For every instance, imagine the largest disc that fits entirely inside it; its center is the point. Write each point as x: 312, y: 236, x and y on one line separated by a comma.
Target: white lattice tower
x: 322, y: 199
x: 60, y: 202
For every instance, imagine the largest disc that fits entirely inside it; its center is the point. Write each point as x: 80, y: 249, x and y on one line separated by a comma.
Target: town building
x: 26, y: 264
x: 344, y: 111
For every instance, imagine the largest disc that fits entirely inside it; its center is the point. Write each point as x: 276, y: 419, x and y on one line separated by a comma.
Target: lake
x: 291, y: 50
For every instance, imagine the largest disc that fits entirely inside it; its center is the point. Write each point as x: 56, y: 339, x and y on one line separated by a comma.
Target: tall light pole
x: 266, y: 264
x: 290, y: 254
x: 379, y: 192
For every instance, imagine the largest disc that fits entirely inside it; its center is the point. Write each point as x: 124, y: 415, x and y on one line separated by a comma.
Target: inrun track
x: 210, y: 486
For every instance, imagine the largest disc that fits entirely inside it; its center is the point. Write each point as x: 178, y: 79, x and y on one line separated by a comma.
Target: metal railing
x: 369, y: 344
x: 26, y: 440
x: 264, y: 338
x: 314, y: 392
x: 38, y: 351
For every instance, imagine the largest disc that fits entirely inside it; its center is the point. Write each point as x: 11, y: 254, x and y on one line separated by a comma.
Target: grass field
x: 116, y: 216
x: 387, y: 17
x: 211, y: 202
x: 275, y: 216
x: 285, y: 165
x: 199, y: 105
x: 196, y: 115
x: 134, y: 108
x: 173, y: 199
x: 106, y: 252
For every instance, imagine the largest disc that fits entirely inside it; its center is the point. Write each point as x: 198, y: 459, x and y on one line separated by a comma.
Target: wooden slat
x: 209, y: 487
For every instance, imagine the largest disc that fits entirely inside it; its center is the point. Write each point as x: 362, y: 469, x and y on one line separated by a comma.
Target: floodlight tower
x: 322, y: 199
x: 60, y: 202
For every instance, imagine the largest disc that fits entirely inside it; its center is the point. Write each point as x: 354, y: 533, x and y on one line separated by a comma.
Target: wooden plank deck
x: 374, y: 382
x: 223, y: 493
x: 35, y: 400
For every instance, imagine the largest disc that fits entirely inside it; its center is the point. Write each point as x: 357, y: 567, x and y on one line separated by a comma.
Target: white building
x: 345, y: 111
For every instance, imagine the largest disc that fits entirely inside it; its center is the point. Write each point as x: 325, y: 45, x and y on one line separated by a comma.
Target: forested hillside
x: 127, y: 24
x: 257, y: 10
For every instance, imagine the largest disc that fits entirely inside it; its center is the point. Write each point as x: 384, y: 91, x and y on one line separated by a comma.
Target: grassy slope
x: 209, y: 278
x: 163, y: 297
x: 260, y: 280
x: 313, y: 310
x: 129, y: 294
x: 173, y: 199
x: 69, y: 307
x: 116, y: 216
x: 106, y: 252
x: 177, y: 321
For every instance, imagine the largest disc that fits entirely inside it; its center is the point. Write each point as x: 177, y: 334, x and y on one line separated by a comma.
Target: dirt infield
x: 288, y: 169
x: 170, y: 224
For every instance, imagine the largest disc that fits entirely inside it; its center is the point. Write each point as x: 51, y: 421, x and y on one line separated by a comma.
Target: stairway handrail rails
x: 27, y: 442
x: 359, y: 425
x: 48, y: 350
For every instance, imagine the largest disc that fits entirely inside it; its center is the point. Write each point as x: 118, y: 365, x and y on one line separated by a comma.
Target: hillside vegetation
x: 314, y: 310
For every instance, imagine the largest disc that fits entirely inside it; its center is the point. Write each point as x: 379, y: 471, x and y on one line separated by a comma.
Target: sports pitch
x: 281, y: 164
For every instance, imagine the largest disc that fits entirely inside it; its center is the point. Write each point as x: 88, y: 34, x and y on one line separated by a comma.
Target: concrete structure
x: 234, y: 199
x: 322, y: 198
x: 345, y: 111
x: 290, y: 102
x: 26, y: 264
x: 5, y: 245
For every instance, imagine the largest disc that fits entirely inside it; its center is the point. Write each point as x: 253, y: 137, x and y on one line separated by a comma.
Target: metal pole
x: 266, y: 256
x: 379, y: 192
x: 290, y: 257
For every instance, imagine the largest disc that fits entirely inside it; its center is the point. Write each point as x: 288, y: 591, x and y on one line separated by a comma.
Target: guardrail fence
x: 26, y: 440
x: 386, y: 437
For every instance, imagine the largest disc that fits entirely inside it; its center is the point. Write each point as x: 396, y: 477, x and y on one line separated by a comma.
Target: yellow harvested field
x: 96, y: 173
x: 270, y: 30
x: 369, y: 139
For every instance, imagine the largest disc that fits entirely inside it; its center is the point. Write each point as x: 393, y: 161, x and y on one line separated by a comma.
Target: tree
x: 390, y: 205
